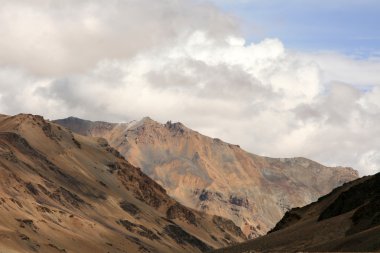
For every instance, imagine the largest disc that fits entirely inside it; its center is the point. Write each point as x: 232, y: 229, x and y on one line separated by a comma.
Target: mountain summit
x: 215, y: 177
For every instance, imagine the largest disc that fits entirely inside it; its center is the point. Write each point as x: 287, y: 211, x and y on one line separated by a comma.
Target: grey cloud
x: 340, y: 103
x: 307, y: 113
x: 62, y: 90
x: 59, y: 37
x: 211, y: 81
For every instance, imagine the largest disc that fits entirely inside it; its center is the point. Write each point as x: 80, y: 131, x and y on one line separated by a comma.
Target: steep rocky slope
x: 347, y: 219
x: 63, y: 192
x: 216, y: 177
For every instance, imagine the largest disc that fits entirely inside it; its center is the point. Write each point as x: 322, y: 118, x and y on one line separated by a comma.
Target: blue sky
x: 346, y: 26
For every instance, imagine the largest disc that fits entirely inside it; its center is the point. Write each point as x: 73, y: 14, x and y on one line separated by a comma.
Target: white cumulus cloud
x: 185, y: 60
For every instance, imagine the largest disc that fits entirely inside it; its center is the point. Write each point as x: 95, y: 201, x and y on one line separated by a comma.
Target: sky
x: 345, y: 26
x: 280, y: 79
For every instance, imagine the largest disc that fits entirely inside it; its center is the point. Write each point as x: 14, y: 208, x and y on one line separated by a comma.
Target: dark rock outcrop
x: 181, y: 236
x: 178, y: 211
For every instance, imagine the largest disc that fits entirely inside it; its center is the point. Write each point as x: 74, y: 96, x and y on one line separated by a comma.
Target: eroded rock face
x: 130, y: 208
x: 216, y: 177
x: 178, y: 211
x: 181, y: 237
x: 139, y: 229
x: 63, y: 192
x: 226, y: 225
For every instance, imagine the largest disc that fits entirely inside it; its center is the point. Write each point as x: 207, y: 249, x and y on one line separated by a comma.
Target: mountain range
x: 215, y: 177
x: 65, y: 192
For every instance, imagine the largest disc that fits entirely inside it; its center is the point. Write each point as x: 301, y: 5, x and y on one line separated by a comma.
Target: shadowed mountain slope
x: 63, y: 192
x: 216, y: 177
x: 347, y: 219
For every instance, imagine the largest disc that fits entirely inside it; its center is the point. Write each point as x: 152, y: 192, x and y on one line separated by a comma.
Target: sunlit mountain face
x: 215, y: 177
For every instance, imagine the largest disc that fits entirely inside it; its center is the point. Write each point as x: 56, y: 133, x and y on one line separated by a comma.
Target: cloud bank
x: 186, y: 61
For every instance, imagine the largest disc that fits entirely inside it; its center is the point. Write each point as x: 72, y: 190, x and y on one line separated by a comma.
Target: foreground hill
x: 216, y: 177
x: 63, y: 192
x: 347, y: 219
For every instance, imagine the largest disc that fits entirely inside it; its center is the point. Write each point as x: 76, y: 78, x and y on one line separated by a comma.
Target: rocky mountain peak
x: 176, y: 127
x: 148, y: 120
x: 221, y: 179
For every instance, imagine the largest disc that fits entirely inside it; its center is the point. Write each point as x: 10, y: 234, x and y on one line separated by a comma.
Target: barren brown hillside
x: 63, y: 192
x: 346, y: 220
